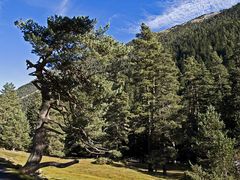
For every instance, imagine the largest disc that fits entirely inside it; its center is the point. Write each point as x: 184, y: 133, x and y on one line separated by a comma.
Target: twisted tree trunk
x: 40, y: 142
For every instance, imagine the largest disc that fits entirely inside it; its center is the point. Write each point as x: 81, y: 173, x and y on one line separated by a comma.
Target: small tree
x: 215, y: 149
x: 14, y: 127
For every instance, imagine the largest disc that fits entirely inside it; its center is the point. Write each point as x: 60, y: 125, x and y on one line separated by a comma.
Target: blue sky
x: 124, y: 17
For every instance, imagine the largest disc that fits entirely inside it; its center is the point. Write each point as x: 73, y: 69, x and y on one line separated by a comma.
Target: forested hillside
x: 26, y: 90
x: 213, y: 42
x: 219, y: 32
x: 165, y: 99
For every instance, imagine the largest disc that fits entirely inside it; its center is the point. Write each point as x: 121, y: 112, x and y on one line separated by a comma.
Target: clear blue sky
x: 124, y: 17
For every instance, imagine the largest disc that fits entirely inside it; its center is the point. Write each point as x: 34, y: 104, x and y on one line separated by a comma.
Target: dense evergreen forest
x: 171, y: 97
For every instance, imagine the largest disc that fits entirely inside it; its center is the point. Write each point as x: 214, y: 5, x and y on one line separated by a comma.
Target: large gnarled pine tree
x: 59, y: 47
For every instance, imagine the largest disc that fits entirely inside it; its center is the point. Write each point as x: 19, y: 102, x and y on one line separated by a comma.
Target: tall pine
x: 155, y: 78
x: 197, y: 92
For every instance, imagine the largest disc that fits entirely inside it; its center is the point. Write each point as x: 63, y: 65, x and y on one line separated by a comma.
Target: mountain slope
x: 26, y: 90
x: 200, y: 37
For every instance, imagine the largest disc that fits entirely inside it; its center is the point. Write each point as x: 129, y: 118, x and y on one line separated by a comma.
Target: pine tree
x: 117, y: 119
x: 231, y: 112
x: 155, y: 78
x: 118, y: 115
x: 215, y: 149
x: 14, y: 125
x: 197, y: 86
x: 222, y: 85
x: 95, y: 100
x: 198, y: 90
x: 60, y: 46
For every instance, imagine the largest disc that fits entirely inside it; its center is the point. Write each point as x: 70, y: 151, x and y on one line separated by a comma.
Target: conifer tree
x: 222, y: 85
x: 231, y: 112
x: 14, y: 127
x: 155, y: 78
x: 118, y: 115
x: 98, y: 98
x: 197, y: 86
x: 118, y: 120
x: 197, y: 92
x: 60, y: 46
x: 215, y: 149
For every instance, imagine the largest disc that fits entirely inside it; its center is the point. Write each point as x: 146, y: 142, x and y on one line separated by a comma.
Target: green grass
x: 87, y: 170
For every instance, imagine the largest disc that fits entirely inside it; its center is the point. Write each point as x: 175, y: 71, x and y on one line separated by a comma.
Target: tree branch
x: 56, y: 164
x: 59, y: 125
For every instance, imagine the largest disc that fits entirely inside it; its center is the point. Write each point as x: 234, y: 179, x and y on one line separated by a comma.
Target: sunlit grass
x: 85, y: 169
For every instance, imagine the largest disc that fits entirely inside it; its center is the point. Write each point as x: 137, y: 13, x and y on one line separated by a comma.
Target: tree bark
x: 39, y: 140
x: 150, y: 126
x: 164, y: 169
x: 149, y: 143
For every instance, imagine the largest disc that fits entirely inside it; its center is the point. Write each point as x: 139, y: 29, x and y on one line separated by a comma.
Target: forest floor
x: 86, y: 169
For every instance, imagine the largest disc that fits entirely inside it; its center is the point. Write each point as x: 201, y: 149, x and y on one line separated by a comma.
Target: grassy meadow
x: 86, y: 169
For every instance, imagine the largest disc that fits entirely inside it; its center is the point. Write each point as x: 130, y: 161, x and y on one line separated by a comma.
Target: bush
x: 103, y: 160
x: 198, y: 173
x: 116, y: 155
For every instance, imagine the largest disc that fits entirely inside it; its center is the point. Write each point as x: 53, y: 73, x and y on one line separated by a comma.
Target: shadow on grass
x: 10, y: 171
x: 174, y: 171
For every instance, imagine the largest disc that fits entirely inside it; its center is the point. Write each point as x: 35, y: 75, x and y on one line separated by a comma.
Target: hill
x: 26, y: 90
x: 200, y: 37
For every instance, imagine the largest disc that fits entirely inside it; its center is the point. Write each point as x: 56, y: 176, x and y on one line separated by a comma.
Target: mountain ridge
x: 205, y: 17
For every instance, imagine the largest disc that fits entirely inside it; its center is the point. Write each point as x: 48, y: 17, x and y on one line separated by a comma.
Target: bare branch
x: 30, y: 64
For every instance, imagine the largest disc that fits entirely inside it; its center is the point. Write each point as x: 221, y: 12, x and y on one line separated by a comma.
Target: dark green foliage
x: 92, y: 111
x: 215, y: 150
x: 57, y: 45
x: 197, y: 86
x: 212, y: 45
x: 197, y: 92
x: 155, y: 79
x: 200, y: 39
x: 32, y: 110
x: 117, y: 119
x: 14, y: 127
x: 118, y: 115
x: 232, y: 116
